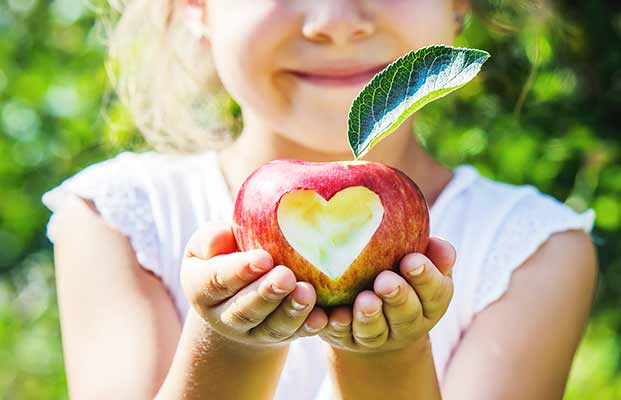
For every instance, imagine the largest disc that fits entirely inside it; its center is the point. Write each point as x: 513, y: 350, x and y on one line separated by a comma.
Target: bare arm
x: 119, y: 326
x: 521, y: 347
x: 391, y: 375
x: 121, y: 334
x: 209, y: 366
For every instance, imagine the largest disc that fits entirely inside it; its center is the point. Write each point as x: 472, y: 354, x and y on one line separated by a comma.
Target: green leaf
x: 404, y: 87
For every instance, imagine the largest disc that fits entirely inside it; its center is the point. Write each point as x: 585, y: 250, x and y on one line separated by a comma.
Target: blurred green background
x: 544, y: 111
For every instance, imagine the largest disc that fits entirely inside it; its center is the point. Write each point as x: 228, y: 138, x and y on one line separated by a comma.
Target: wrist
x: 405, y: 373
x: 416, y: 348
x: 227, y: 345
x: 208, y: 365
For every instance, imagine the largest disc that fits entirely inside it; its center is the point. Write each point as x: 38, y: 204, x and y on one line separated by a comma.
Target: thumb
x: 442, y: 254
x: 211, y: 239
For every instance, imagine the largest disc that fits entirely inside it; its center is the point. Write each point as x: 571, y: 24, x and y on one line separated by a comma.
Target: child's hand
x: 401, y: 308
x: 242, y: 295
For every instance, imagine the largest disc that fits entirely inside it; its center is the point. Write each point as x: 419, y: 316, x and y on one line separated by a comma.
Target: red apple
x: 336, y: 224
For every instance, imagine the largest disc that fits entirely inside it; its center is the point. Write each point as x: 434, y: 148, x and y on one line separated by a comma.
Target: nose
x: 337, y: 21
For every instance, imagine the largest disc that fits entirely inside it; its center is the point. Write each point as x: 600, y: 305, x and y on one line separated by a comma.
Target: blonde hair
x: 164, y: 77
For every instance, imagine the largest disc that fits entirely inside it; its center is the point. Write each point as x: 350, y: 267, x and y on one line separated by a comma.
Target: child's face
x: 257, y: 43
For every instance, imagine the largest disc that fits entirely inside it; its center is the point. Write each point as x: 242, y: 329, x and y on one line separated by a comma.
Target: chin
x: 326, y: 144
x: 318, y: 137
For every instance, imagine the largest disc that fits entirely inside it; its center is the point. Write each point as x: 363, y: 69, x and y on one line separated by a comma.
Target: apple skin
x: 404, y: 227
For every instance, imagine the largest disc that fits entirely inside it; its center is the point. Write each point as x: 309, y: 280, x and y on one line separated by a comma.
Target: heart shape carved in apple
x: 330, y: 234
x: 336, y: 224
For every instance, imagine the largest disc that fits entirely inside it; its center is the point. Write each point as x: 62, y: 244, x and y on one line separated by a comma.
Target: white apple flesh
x: 336, y: 225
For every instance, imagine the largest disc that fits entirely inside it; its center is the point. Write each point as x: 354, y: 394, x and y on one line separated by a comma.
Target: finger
x: 338, y: 330
x: 209, y: 240
x: 210, y: 282
x: 281, y: 324
x: 369, y: 326
x: 433, y: 289
x: 442, y: 254
x: 401, y: 305
x: 254, y: 303
x: 315, y: 322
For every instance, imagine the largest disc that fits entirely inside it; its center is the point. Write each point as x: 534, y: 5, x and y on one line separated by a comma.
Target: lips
x: 343, y: 76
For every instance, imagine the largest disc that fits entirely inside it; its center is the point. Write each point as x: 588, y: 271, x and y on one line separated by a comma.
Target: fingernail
x: 219, y: 281
x: 338, y: 325
x: 392, y: 293
x: 309, y: 329
x: 417, y: 271
x: 255, y: 268
x: 277, y: 290
x: 297, y: 306
x: 367, y: 314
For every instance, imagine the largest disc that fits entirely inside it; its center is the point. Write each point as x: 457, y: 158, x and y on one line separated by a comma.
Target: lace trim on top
x: 531, y: 223
x: 128, y: 208
x: 123, y: 205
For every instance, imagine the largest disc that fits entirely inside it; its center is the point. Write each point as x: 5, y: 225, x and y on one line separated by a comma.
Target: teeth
x: 330, y: 235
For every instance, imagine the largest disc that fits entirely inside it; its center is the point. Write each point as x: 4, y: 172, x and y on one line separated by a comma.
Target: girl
x: 156, y: 300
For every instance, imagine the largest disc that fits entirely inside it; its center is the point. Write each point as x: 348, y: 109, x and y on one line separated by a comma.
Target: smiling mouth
x: 326, y: 80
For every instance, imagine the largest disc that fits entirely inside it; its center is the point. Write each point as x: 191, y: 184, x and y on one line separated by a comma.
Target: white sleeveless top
x: 159, y: 200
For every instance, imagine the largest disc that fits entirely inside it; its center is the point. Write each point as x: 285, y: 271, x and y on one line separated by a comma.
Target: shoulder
x: 501, y: 199
x: 505, y: 226
x: 155, y: 200
x: 132, y: 184
x: 563, y: 272
x: 524, y: 288
x: 569, y: 254
x: 130, y: 190
x: 125, y: 170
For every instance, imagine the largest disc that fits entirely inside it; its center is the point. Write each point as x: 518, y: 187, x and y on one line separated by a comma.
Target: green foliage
x: 31, y: 360
x: 52, y: 85
x: 544, y: 111
x: 404, y: 87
